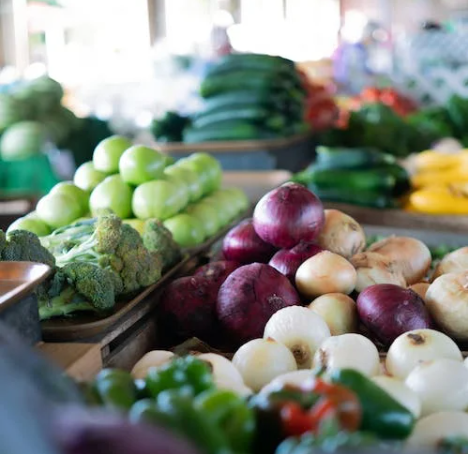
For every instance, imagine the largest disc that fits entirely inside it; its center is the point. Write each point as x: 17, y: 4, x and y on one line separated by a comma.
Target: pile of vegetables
x: 245, y: 97
x: 440, y: 182
x: 139, y: 183
x: 358, y: 176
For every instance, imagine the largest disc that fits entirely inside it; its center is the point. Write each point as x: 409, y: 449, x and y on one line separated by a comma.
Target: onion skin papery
x: 455, y: 262
x: 412, y: 256
x: 287, y: 215
x: 373, y: 268
x: 323, y: 273
x: 421, y: 289
x: 388, y: 311
x: 242, y: 244
x: 341, y: 234
x: 287, y: 261
x: 249, y: 297
x: 447, y: 301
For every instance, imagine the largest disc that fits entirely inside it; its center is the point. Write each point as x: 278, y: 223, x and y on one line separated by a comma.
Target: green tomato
x: 168, y: 160
x: 202, y: 172
x: 58, y: 210
x: 239, y: 197
x: 87, y: 177
x: 31, y: 224
x: 112, y: 194
x: 207, y: 215
x: 140, y: 164
x: 137, y: 224
x: 212, y: 168
x: 81, y: 197
x: 226, y: 210
x: 187, y: 230
x: 158, y: 199
x: 107, y: 154
x: 188, y: 177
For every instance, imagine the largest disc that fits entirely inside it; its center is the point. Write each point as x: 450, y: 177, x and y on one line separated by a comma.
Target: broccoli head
x: 77, y: 287
x: 110, y: 244
x: 24, y: 246
x: 157, y: 238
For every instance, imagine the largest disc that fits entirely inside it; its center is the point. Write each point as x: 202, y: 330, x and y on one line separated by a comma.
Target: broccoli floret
x: 78, y: 287
x: 110, y: 244
x: 157, y: 238
x: 3, y: 241
x: 24, y: 246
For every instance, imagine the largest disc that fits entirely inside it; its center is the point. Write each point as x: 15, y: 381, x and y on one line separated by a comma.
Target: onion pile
x: 341, y: 234
x: 287, y: 215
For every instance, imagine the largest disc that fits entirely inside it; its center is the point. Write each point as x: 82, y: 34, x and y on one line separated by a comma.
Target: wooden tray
x: 104, y: 329
x: 404, y: 219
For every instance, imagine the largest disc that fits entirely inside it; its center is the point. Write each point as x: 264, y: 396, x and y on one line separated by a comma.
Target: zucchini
x: 234, y: 62
x: 365, y: 198
x: 351, y: 180
x: 226, y: 131
x: 351, y: 158
x: 241, y: 80
x: 402, y: 179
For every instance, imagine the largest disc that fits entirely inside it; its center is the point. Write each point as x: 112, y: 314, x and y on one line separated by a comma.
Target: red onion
x: 249, y: 297
x: 217, y: 272
x: 243, y: 245
x: 287, y: 215
x: 287, y: 261
x: 389, y: 310
x: 187, y: 308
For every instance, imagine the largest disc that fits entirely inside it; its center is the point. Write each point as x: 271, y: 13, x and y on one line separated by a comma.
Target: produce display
x: 358, y: 176
x: 138, y: 183
x: 245, y: 97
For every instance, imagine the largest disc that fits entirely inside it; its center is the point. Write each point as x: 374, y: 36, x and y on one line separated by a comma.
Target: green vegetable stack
x: 365, y: 177
x: 181, y: 397
x: 248, y: 97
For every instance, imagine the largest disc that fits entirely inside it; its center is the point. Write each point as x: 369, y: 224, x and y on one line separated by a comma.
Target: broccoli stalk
x: 77, y: 287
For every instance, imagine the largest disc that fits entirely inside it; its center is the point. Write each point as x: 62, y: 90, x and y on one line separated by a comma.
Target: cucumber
x: 234, y: 62
x: 351, y: 180
x: 256, y: 115
x: 402, y: 179
x: 351, y: 158
x: 366, y: 198
x: 227, y: 131
x: 242, y: 80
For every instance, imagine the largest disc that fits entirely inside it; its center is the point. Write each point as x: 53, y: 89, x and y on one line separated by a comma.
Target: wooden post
x: 157, y: 19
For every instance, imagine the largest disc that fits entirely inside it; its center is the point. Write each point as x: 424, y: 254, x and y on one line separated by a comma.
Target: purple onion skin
x: 388, y: 310
x: 287, y: 261
x: 97, y: 432
x: 187, y: 308
x: 217, y: 272
x: 287, y: 215
x: 243, y: 245
x: 249, y: 297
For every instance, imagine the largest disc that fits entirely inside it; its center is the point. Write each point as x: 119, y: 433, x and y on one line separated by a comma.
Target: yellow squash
x: 450, y: 199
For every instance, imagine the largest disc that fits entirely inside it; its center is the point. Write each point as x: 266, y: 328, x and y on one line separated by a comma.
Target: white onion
x: 238, y: 388
x: 465, y: 362
x: 224, y: 372
x: 421, y: 289
x: 373, y: 268
x: 341, y: 234
x: 261, y: 360
x: 151, y: 359
x: 455, y: 262
x: 338, y: 311
x: 299, y: 329
x: 400, y: 392
x: 412, y: 256
x: 349, y: 351
x: 295, y: 378
x: 323, y: 273
x: 416, y: 346
x: 447, y: 302
x: 432, y: 429
x: 441, y: 384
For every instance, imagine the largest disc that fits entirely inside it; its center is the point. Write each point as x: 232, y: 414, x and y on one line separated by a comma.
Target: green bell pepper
x: 115, y: 388
x: 186, y: 372
x: 175, y: 410
x: 381, y: 414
